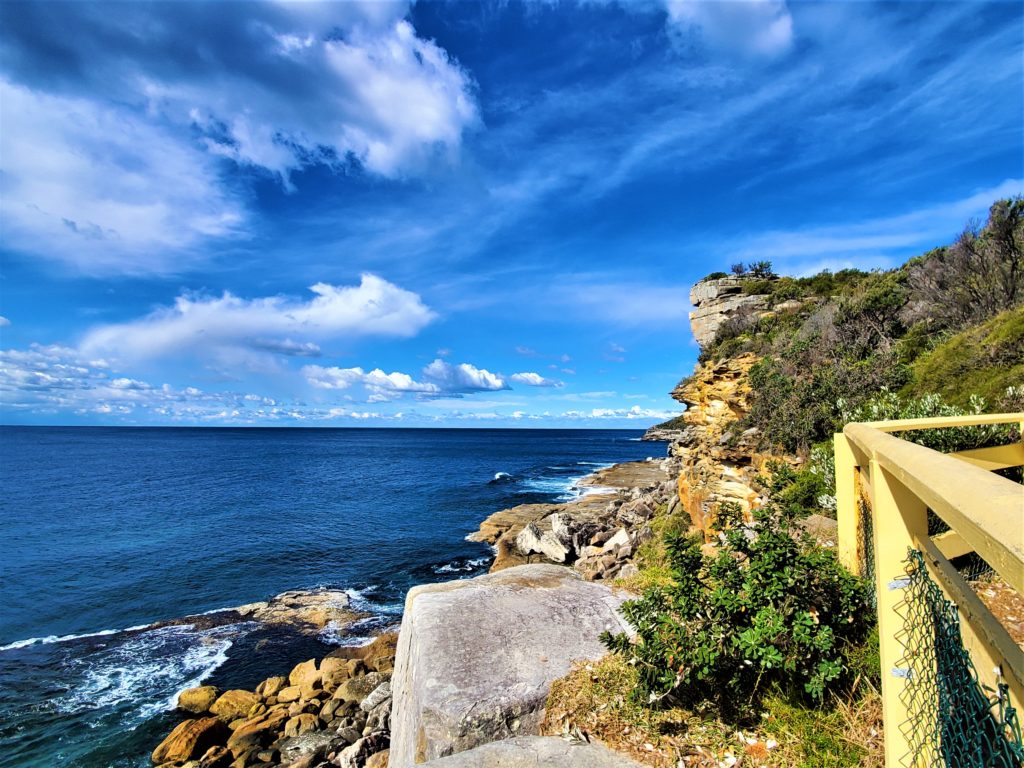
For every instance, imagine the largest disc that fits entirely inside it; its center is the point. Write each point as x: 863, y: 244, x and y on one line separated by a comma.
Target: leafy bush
x: 887, y: 405
x: 771, y: 609
x: 713, y: 276
x: 799, y: 492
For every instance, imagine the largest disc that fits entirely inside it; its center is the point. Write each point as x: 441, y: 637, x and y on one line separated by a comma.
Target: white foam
x: 58, y: 639
x: 462, y: 566
x: 146, y: 672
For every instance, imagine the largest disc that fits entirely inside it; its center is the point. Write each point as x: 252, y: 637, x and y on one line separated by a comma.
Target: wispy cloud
x: 872, y: 242
x: 125, y: 176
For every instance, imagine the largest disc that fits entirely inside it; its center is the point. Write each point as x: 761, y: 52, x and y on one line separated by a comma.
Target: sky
x: 455, y: 213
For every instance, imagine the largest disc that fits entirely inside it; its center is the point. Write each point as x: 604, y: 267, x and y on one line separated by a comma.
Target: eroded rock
x: 476, y: 658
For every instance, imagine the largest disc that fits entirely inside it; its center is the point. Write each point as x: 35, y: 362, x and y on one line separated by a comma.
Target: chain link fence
x: 952, y: 720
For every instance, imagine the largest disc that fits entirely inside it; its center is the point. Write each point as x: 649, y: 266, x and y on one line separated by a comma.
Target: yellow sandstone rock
x: 199, y: 699
x: 191, y: 738
x: 234, y: 704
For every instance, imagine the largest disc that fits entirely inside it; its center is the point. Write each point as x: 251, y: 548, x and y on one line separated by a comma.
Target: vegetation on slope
x: 948, y: 322
x: 770, y: 633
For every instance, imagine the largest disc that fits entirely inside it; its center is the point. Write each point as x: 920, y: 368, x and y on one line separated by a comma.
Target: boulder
x: 234, y: 704
x: 271, y: 686
x: 378, y: 760
x: 289, y: 694
x: 476, y: 658
x: 301, y: 724
x: 620, y: 538
x: 198, y: 700
x: 190, y: 739
x: 532, y: 540
x: 377, y: 696
x: 215, y: 757
x: 358, y: 688
x: 535, y: 752
x: 305, y: 675
x: 256, y: 732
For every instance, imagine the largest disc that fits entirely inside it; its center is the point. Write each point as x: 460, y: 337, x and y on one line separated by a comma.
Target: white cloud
x: 755, y: 28
x: 381, y: 386
x: 531, y: 379
x: 463, y: 377
x: 439, y: 379
x: 4, y: 322
x: 636, y: 412
x: 103, y: 189
x: 125, y: 176
x: 375, y: 307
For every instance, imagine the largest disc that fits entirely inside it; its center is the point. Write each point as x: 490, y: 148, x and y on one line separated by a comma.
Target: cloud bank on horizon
x: 333, y: 213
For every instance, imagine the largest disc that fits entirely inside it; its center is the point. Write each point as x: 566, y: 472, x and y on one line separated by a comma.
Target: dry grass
x: 593, y: 703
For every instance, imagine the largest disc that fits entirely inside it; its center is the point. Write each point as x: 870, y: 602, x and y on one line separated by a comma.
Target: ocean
x: 111, y: 529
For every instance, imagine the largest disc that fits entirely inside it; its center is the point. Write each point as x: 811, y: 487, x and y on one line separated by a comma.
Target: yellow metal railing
x: 901, y: 482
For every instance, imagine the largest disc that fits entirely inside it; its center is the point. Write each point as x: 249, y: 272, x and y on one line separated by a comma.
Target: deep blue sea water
x: 105, y: 529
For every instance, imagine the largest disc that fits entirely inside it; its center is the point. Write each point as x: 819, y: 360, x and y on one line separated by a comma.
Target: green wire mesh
x: 866, y: 546
x: 951, y: 719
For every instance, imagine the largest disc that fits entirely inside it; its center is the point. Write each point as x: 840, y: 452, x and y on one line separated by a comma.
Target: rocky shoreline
x: 336, y: 710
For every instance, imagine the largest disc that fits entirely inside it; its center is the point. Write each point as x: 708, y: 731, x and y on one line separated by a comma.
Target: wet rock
x: 191, y: 738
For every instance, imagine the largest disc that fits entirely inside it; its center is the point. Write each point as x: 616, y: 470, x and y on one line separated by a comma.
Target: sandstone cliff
x: 717, y: 462
x: 717, y: 301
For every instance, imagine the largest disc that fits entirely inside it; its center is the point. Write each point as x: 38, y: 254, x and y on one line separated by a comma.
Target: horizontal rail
x: 940, y: 422
x: 985, y: 509
x: 997, y: 457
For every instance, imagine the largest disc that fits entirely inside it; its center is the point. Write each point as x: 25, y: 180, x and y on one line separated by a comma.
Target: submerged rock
x: 476, y: 658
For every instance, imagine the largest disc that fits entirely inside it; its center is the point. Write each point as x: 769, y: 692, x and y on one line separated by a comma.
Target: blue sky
x: 457, y: 214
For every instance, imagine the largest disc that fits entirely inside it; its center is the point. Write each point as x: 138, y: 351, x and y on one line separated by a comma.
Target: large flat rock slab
x: 476, y: 658
x: 629, y: 474
x: 535, y: 752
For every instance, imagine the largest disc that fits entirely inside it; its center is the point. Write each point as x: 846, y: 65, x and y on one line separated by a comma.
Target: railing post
x: 847, y: 509
x: 899, y: 516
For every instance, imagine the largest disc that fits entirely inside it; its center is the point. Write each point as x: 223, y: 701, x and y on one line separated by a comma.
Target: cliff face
x: 716, y: 301
x: 716, y: 462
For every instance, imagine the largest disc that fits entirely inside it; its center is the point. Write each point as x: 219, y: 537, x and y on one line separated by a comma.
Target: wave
x: 146, y: 672
x: 462, y: 565
x: 50, y: 639
x: 500, y: 478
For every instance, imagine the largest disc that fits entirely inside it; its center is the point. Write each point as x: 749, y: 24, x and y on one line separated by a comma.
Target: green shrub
x: 799, y: 492
x: 772, y: 609
x: 887, y: 406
